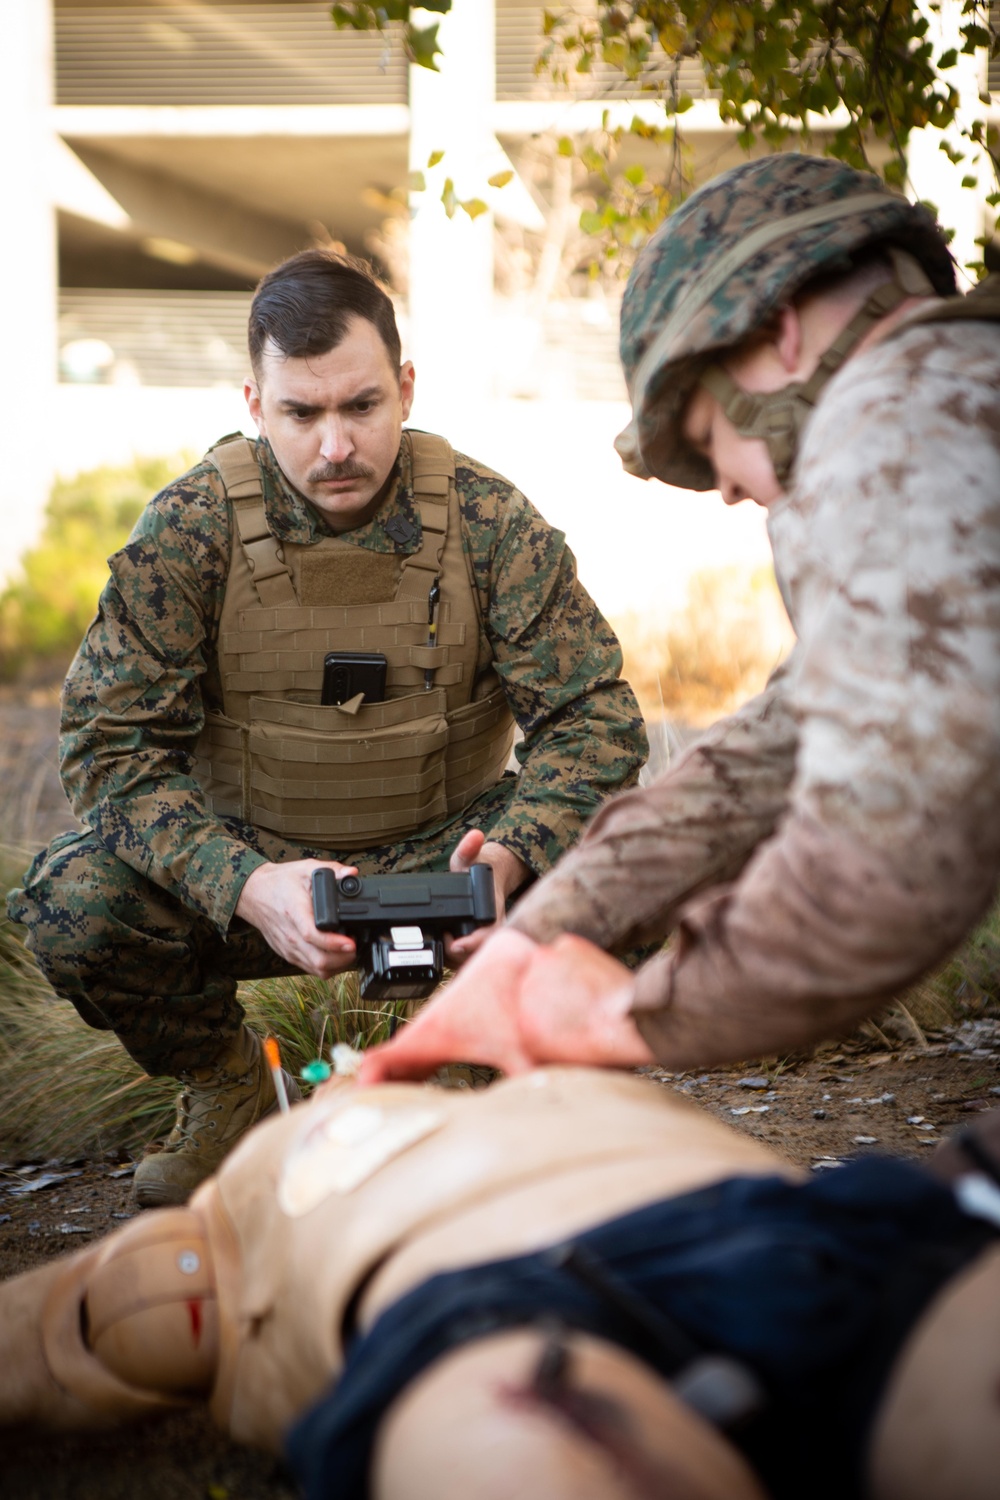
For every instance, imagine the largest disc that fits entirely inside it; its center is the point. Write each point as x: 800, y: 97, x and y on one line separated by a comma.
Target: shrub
x: 45, y: 611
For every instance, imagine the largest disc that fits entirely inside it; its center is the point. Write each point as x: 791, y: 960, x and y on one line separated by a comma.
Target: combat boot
x: 214, y: 1110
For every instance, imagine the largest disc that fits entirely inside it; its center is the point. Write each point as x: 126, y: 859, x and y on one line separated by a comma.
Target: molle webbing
x: 981, y: 304
x: 358, y: 773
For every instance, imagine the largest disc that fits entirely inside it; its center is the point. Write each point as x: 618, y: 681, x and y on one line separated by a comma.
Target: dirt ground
x: 849, y: 1098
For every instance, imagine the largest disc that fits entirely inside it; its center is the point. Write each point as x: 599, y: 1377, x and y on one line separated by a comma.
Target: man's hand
x: 509, y: 872
x: 519, y: 1004
x: 277, y: 900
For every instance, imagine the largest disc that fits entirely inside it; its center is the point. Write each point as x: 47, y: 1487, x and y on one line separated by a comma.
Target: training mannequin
x: 422, y: 1222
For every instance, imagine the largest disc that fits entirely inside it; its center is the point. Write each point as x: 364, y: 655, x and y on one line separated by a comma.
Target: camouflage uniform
x: 839, y: 835
x: 132, y: 919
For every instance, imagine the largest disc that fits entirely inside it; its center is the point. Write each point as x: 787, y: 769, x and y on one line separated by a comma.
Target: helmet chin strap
x: 778, y: 417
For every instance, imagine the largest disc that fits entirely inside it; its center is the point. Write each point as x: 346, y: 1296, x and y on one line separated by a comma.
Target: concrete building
x: 159, y: 155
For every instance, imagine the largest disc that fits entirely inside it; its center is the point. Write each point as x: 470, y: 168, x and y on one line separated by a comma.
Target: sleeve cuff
x: 217, y: 875
x: 537, y: 840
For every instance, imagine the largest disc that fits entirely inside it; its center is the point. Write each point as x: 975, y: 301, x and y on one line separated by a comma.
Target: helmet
x: 735, y: 252
x: 501, y: 1420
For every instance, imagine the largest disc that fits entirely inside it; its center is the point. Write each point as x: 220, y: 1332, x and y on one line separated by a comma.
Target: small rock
x: 865, y: 1140
x: 914, y: 1119
x: 73, y: 1229
x: 123, y: 1171
x: 751, y: 1109
x: 825, y: 1162
x: 819, y: 1114
x: 756, y: 1082
x: 5, y: 1218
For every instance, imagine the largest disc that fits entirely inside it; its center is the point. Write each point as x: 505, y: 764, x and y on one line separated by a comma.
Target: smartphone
x: 346, y: 673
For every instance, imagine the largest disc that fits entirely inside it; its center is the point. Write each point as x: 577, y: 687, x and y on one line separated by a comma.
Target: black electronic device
x: 399, y: 923
x: 347, y: 673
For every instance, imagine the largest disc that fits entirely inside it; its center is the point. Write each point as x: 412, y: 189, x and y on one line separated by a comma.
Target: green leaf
x: 434, y: 158
x: 564, y: 146
x: 500, y: 179
x: 416, y: 182
x: 474, y: 207
x: 422, y: 45
x: 635, y: 174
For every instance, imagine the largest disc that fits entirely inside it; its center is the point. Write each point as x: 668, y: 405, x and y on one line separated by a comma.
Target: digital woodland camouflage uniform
x: 840, y: 833
x: 132, y: 919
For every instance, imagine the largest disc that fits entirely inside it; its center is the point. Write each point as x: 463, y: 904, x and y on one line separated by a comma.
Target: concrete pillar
x: 451, y: 260
x: 932, y: 176
x: 28, y: 272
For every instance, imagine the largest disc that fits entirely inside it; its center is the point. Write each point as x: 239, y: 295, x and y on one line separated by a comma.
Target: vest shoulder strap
x: 235, y: 459
x: 982, y: 304
x: 433, y: 473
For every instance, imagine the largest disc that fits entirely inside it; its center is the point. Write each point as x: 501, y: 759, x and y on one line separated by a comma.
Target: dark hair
x: 304, y: 305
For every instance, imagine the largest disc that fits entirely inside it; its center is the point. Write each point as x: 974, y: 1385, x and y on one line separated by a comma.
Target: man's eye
x: 363, y: 406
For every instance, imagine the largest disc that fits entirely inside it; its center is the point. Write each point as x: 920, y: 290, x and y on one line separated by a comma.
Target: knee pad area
x: 150, y: 1315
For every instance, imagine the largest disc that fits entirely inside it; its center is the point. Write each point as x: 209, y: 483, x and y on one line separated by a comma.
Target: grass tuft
x: 68, y: 1090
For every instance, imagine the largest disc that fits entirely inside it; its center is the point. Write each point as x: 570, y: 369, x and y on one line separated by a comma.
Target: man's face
x: 334, y: 421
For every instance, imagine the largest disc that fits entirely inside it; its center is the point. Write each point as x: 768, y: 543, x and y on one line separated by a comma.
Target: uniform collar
x: 395, y: 527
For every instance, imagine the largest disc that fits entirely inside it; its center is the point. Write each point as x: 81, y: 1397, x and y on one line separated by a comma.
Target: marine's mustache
x: 348, y: 470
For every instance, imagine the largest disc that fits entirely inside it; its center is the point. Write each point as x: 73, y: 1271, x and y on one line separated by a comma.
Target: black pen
x: 432, y: 603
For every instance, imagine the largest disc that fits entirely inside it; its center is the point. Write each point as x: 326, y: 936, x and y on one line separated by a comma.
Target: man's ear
x: 251, y: 394
x: 787, y: 339
x: 407, y: 376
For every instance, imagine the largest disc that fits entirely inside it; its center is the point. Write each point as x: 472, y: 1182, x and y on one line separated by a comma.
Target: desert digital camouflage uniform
x: 839, y: 834
x: 132, y: 919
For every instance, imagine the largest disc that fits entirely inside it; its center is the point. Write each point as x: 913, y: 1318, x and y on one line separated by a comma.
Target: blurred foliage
x: 419, y: 42
x: 865, y: 74
x: 45, y: 611
x: 711, y: 655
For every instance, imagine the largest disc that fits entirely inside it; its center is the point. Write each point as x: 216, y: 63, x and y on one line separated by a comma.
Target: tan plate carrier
x: 358, y: 774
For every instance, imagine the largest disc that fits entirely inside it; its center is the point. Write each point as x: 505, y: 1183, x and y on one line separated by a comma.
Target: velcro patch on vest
x: 344, y: 1150
x: 352, y: 576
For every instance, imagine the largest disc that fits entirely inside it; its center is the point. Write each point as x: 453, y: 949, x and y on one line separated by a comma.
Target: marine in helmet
x: 791, y: 335
x: 573, y: 1284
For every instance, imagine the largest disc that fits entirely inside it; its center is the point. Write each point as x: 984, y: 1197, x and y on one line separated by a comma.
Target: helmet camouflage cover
x: 738, y: 249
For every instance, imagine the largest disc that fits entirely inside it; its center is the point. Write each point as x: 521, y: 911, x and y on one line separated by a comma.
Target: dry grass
x: 711, y: 655
x: 66, y: 1089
